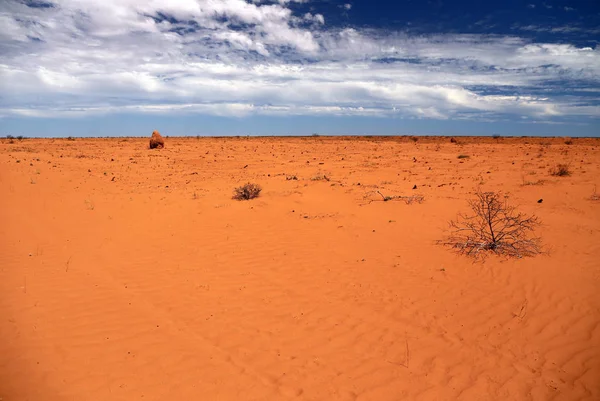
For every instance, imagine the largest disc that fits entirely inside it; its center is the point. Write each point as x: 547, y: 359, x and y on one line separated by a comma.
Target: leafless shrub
x: 494, y: 227
x: 247, y: 191
x: 568, y: 141
x: 537, y: 182
x: 320, y: 177
x: 595, y: 196
x: 527, y: 183
x: 407, y: 199
x: 560, y: 170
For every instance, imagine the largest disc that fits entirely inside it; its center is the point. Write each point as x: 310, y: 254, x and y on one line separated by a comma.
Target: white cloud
x: 232, y: 57
x: 317, y: 18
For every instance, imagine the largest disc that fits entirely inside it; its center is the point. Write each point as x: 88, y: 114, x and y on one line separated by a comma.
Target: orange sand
x: 130, y: 274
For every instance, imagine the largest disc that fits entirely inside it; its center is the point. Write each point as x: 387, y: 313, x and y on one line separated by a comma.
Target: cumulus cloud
x: 236, y: 57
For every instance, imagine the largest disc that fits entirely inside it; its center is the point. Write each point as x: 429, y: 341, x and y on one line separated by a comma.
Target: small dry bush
x: 320, y: 177
x: 560, y: 170
x: 537, y: 182
x: 156, y: 141
x: 409, y: 200
x: 247, y: 191
x: 568, y: 141
x: 495, y: 226
x: 595, y: 196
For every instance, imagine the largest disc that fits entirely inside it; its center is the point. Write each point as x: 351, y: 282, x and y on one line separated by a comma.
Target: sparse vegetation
x: 20, y: 137
x: 561, y: 170
x: 89, y: 205
x: 526, y: 182
x: 595, y: 196
x: 247, y: 191
x: 320, y: 177
x: 70, y: 138
x: 407, y: 199
x: 291, y: 178
x: 414, y: 138
x: 496, y: 136
x: 495, y: 226
x: 568, y: 141
x: 537, y: 182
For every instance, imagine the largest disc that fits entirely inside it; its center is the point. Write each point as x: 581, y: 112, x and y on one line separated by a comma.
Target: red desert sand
x: 131, y: 274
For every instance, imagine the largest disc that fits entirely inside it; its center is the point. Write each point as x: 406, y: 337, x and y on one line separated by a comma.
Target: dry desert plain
x: 131, y: 274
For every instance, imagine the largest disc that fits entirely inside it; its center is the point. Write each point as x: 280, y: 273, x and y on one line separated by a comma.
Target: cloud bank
x: 236, y: 57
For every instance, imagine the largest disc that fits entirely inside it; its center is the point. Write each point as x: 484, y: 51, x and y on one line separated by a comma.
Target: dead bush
x: 320, y: 177
x: 156, y: 141
x: 247, y: 191
x: 409, y: 200
x: 561, y: 170
x: 495, y: 226
x: 595, y: 196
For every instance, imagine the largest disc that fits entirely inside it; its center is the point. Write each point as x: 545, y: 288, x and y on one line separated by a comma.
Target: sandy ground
x: 128, y: 273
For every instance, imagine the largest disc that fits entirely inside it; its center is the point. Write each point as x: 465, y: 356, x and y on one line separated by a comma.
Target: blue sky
x: 294, y: 67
